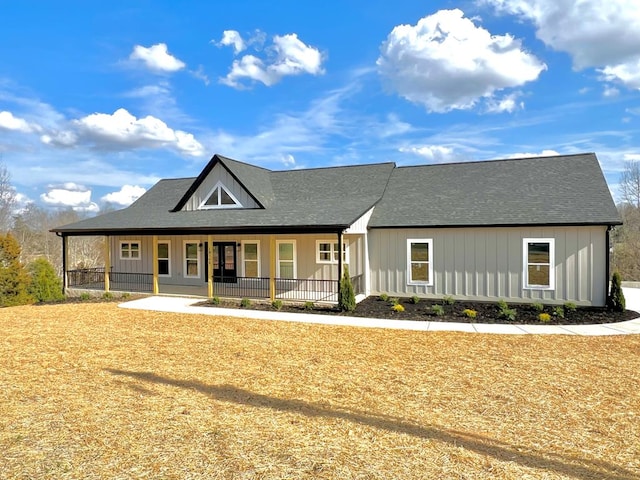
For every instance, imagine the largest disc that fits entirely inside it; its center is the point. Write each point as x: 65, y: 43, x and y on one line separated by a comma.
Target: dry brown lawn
x: 94, y: 391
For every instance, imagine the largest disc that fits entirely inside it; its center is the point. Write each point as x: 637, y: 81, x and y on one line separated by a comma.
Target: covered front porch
x: 299, y: 267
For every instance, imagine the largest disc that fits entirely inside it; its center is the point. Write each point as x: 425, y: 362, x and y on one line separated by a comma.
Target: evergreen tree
x: 45, y: 284
x: 346, y: 297
x: 616, y: 300
x: 14, y: 279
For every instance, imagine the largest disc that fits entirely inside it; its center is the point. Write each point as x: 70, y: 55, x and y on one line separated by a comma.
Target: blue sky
x: 99, y: 100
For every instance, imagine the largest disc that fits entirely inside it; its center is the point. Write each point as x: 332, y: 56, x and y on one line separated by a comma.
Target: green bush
x: 502, y: 305
x: 45, y: 285
x: 394, y: 300
x: 125, y: 295
x: 415, y: 299
x: 84, y: 296
x: 570, y: 307
x: 616, y: 300
x: 538, y: 307
x: 14, y: 278
x: 309, y: 305
x: 558, y: 312
x: 245, y: 303
x: 346, y: 296
x: 438, y: 310
x: 448, y: 300
x: 509, y: 314
x: 277, y: 304
x: 384, y: 297
x: 214, y: 301
x: 107, y: 296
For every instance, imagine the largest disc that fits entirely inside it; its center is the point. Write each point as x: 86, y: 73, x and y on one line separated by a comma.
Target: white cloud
x: 232, y: 37
x: 70, y: 195
x: 602, y: 34
x: 544, y: 153
x: 433, y: 153
x: 287, y: 56
x: 509, y: 103
x: 446, y: 62
x: 125, y: 196
x: 631, y: 157
x: 9, y: 122
x: 288, y: 160
x: 123, y: 130
x: 610, y: 91
x: 157, y: 58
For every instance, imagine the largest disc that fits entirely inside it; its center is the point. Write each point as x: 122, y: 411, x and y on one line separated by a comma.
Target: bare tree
x: 630, y: 183
x: 7, y: 199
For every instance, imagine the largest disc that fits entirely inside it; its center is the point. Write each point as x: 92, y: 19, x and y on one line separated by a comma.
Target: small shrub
x: 396, y: 307
x: 277, y: 304
x: 107, y: 296
x: 245, y: 303
x: 509, y: 314
x: 309, y: 306
x: 538, y: 307
x: 558, y: 312
x: 570, y: 307
x: 469, y: 313
x: 438, y: 310
x: 125, y: 295
x: 84, y: 296
x: 214, y: 301
x: 448, y: 300
x: 544, y: 317
x: 14, y: 278
x: 384, y: 297
x: 346, y: 295
x: 616, y: 300
x: 45, y: 285
x: 415, y: 299
x: 502, y: 305
x: 394, y: 300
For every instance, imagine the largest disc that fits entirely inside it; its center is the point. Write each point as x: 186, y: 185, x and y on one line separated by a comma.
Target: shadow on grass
x: 566, y: 465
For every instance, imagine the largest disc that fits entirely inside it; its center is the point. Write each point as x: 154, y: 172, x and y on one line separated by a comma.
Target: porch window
x: 220, y: 197
x: 419, y: 261
x: 251, y: 259
x: 164, y: 258
x: 130, y: 250
x: 286, y: 260
x: 538, y: 263
x: 191, y: 260
x: 327, y: 252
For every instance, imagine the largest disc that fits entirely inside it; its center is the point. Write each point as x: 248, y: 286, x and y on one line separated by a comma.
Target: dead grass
x: 93, y: 391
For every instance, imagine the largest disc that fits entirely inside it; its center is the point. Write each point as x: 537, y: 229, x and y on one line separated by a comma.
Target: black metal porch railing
x: 93, y: 278
x: 295, y: 289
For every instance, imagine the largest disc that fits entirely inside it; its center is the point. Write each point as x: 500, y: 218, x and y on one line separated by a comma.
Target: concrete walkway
x: 186, y: 305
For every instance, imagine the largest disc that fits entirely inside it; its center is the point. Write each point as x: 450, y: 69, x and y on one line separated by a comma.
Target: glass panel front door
x: 224, y: 262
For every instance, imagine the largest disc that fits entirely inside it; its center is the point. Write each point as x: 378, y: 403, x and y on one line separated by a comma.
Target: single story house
x: 522, y: 230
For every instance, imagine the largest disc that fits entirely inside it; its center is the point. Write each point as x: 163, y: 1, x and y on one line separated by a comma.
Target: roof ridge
x: 499, y: 160
x: 335, y: 167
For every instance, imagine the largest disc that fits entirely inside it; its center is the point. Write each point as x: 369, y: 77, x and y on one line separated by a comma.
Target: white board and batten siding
x: 219, y: 174
x: 487, y: 263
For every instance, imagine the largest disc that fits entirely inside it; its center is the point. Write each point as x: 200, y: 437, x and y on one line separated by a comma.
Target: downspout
x: 607, y: 261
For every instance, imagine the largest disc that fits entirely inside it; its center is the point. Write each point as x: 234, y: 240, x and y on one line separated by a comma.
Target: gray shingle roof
x: 568, y: 189
x: 561, y: 190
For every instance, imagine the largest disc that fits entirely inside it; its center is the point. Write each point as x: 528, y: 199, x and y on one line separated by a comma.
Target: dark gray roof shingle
x: 561, y: 190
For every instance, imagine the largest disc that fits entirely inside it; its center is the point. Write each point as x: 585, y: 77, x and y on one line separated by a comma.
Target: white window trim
x: 295, y: 257
x: 333, y: 260
x: 410, y: 281
x: 525, y: 263
x: 168, y: 242
x: 204, y: 206
x: 251, y: 242
x: 130, y: 242
x: 184, y: 258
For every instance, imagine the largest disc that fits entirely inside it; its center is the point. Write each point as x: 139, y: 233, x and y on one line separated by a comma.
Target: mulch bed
x: 486, y: 312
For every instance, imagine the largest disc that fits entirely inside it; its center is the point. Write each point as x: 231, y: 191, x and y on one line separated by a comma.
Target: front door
x: 224, y: 262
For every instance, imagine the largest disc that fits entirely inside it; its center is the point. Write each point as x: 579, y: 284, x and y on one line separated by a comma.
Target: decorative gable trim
x: 216, y: 159
x: 218, y: 202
